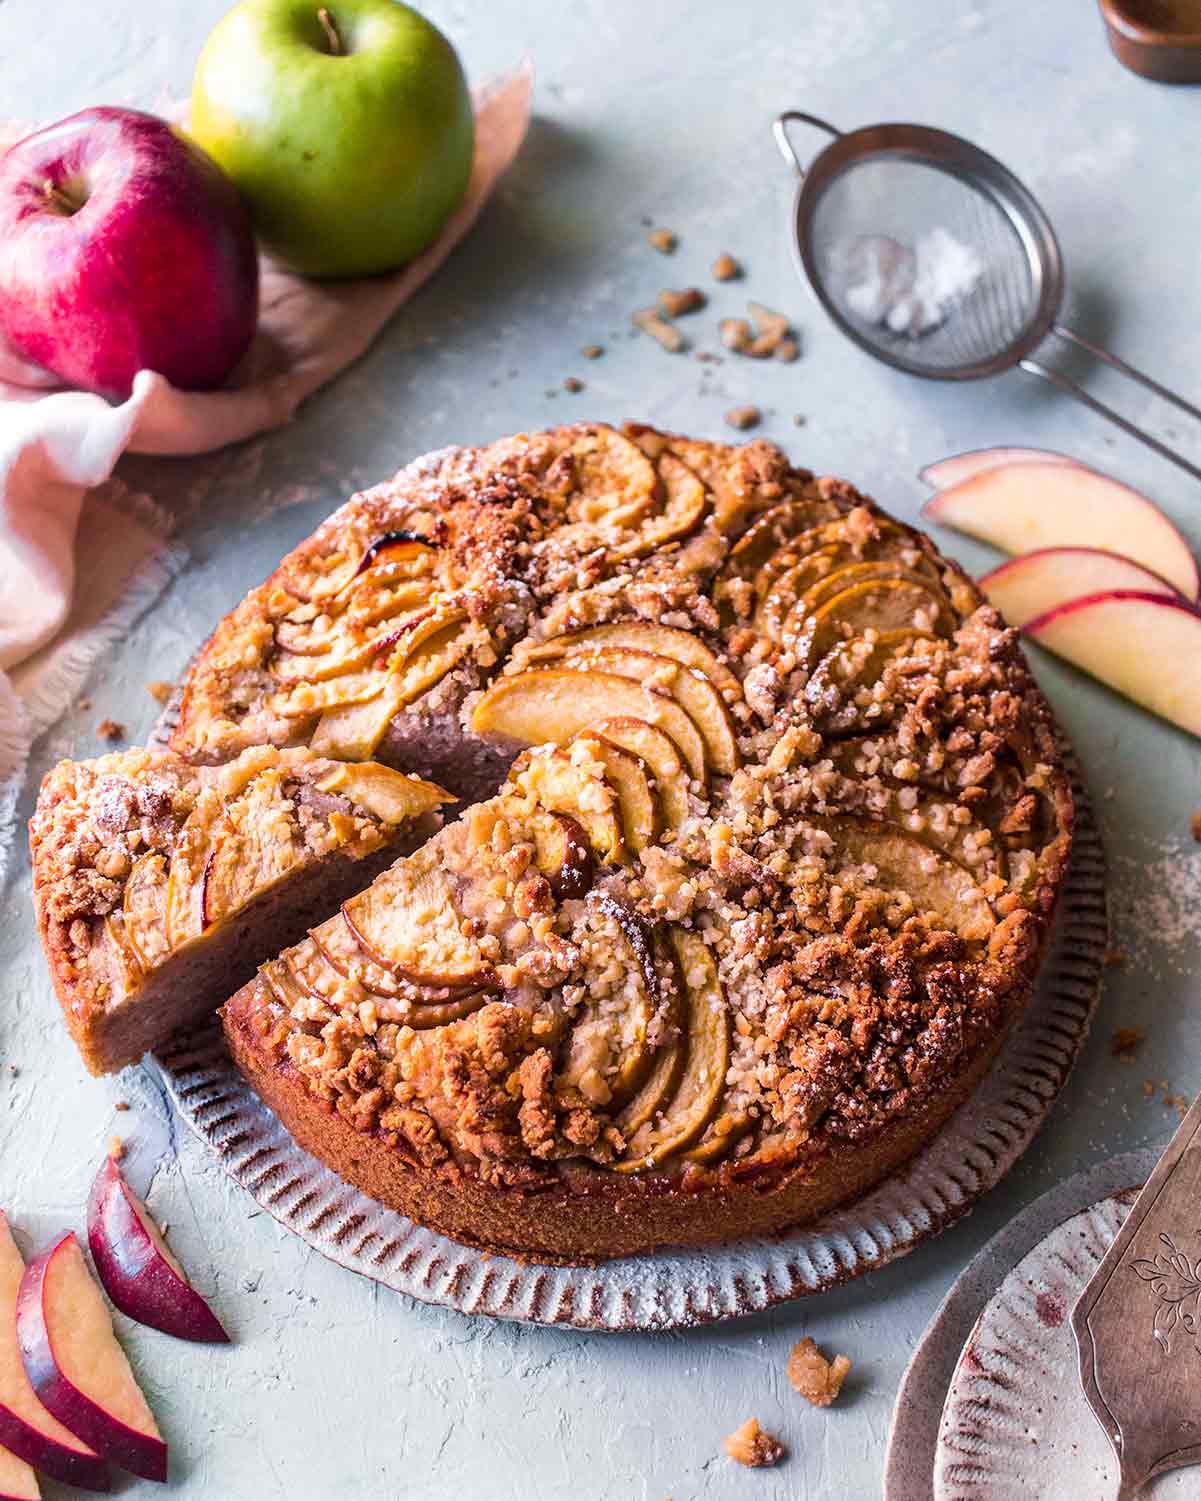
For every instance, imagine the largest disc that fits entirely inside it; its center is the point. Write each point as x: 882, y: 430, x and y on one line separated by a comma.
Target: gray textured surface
x: 659, y: 111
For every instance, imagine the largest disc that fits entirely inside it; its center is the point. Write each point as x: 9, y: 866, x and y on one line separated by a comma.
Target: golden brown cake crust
x: 818, y: 826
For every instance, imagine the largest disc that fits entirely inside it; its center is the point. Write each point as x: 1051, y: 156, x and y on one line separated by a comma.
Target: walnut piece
x: 752, y: 1447
x: 160, y: 690
x: 572, y: 384
x: 676, y: 304
x: 735, y: 333
x: 667, y: 334
x: 592, y: 351
x: 726, y: 268
x: 744, y: 417
x: 817, y: 1379
x: 111, y: 729
x: 663, y: 240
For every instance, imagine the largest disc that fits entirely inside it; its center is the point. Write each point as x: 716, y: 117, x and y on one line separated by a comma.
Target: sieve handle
x: 1064, y: 383
x: 784, y: 141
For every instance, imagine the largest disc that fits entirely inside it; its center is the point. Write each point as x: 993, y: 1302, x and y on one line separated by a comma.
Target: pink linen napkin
x: 63, y: 597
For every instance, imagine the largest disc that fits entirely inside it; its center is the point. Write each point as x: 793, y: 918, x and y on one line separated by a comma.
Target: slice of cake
x: 160, y: 886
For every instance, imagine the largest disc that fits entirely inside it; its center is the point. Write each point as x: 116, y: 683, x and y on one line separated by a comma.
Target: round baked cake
x: 761, y: 823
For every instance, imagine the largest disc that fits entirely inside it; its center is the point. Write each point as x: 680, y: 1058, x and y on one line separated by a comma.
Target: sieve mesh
x: 893, y: 195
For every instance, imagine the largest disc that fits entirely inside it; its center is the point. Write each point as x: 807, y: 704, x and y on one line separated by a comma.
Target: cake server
x: 1138, y: 1322
x: 900, y: 182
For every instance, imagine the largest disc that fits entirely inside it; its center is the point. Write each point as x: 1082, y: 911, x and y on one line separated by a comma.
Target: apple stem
x: 60, y: 198
x: 331, y: 32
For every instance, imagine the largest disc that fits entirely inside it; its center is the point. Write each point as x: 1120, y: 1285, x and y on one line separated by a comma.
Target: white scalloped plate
x: 1015, y: 1424
x: 672, y: 1289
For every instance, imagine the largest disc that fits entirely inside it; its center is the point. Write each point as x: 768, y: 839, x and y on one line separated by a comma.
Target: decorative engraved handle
x: 1138, y: 1322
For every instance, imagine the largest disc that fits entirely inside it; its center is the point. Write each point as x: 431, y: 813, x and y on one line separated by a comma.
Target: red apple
x: 27, y: 1430
x: 137, y: 1269
x: 123, y: 247
x: 76, y: 1366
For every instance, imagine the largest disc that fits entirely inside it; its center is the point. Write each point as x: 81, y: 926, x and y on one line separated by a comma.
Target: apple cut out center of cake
x: 760, y: 826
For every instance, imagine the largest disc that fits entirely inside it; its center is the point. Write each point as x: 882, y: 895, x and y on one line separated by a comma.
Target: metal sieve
x: 879, y: 191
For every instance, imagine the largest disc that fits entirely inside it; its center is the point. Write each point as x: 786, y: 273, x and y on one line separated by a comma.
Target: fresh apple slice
x: 553, y: 704
x: 1145, y: 645
x: 136, y: 1266
x: 1028, y: 506
x: 76, y: 1366
x: 27, y: 1429
x: 17, y: 1480
x: 961, y: 466
x: 1037, y: 582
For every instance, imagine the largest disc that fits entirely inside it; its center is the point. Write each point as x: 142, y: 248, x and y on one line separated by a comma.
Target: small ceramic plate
x: 974, y: 1151
x: 1015, y: 1425
x: 1035, y: 1266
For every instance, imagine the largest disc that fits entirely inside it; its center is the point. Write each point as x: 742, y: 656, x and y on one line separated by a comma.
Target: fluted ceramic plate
x: 671, y: 1289
x: 1016, y: 1426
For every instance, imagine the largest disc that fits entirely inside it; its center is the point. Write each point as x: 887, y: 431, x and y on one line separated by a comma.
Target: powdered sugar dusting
x: 1158, y: 912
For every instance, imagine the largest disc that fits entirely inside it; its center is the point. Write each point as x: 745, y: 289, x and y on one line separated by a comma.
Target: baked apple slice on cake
x: 156, y: 882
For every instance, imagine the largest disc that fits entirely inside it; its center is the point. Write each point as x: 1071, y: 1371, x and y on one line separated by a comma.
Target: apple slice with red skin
x: 17, y: 1480
x: 1146, y: 646
x: 76, y: 1366
x: 138, y: 1271
x: 27, y: 1430
x: 1026, y: 506
x: 1037, y: 582
x: 954, y: 470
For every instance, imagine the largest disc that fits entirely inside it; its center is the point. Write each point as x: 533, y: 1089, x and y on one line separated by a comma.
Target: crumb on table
x: 752, y: 1447
x: 1125, y: 1043
x: 817, y: 1379
x: 1195, y: 825
x: 686, y: 300
x: 650, y: 321
x: 726, y: 268
x: 121, y: 1105
x: 592, y: 351
x: 160, y: 690
x: 663, y: 240
x: 744, y: 417
x: 573, y: 385
x: 111, y: 729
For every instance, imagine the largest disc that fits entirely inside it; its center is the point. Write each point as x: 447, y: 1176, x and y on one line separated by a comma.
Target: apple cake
x: 761, y: 824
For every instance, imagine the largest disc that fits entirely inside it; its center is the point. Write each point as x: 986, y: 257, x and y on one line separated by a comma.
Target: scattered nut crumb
x: 116, y: 1148
x: 1148, y: 1087
x: 735, y: 333
x: 160, y: 690
x: 707, y: 357
x: 687, y: 300
x: 573, y: 385
x: 84, y: 705
x: 667, y: 334
x: 750, y: 1446
x: 744, y: 417
x: 787, y: 350
x: 1116, y: 959
x: 817, y: 1379
x: 726, y: 268
x: 799, y: 419
x: 663, y: 240
x: 111, y: 729
x: 1195, y: 825
x: 1125, y: 1043
x: 592, y: 351
x: 768, y: 321
x: 1177, y: 1102
x: 121, y: 1105
x: 13, y: 1070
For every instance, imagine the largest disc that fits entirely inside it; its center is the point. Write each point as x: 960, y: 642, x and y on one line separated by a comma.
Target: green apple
x: 347, y: 126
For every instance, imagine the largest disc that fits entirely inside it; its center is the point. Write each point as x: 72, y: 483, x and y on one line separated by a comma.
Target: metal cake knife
x: 1138, y: 1322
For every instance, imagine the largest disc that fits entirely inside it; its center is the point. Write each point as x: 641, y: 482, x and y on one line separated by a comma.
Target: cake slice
x: 160, y: 886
